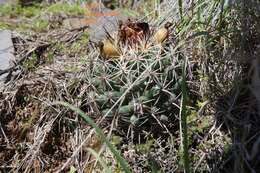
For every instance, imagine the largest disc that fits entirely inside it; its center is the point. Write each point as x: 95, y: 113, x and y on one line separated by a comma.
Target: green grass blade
x: 183, y: 122
x: 180, y: 8
x: 87, y: 119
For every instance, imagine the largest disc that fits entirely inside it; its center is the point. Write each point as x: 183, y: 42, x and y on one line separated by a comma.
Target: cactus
x: 154, y: 93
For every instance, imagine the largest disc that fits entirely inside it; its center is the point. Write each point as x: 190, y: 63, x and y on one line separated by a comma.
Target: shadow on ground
x: 237, y: 111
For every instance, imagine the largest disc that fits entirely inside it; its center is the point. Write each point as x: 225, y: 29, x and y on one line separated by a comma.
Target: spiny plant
x: 145, y: 86
x: 141, y: 86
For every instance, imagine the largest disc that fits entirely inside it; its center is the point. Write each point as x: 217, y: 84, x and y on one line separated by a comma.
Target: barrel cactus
x: 140, y: 89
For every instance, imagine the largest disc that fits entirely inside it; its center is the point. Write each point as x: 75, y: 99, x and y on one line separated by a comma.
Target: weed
x: 30, y: 63
x: 40, y: 25
x: 66, y: 8
x: 4, y: 25
x: 50, y: 58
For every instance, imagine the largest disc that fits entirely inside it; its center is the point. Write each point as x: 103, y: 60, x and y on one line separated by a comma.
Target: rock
x: 6, y: 51
x: 97, y: 30
x: 104, y: 20
x: 99, y: 19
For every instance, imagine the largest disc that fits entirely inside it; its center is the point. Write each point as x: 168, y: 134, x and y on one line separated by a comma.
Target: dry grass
x: 219, y: 42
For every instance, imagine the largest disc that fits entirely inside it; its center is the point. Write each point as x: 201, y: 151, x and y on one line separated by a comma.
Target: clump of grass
x: 66, y: 8
x: 40, y: 25
x: 4, y: 25
x: 14, y: 11
x: 38, y: 16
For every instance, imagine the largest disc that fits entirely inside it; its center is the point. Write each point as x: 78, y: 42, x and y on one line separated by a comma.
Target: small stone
x: 6, y: 51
